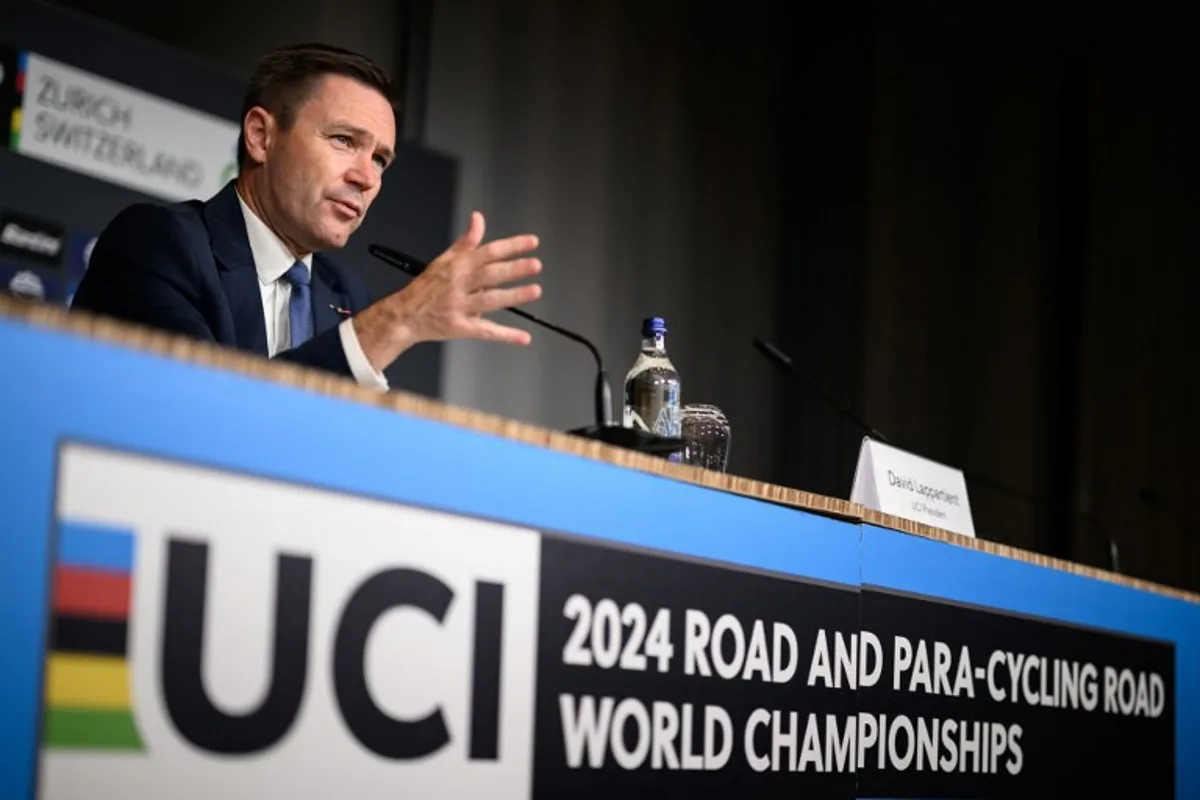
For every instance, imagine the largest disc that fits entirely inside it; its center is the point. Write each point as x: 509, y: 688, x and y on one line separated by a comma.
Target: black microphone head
x: 397, y: 259
x: 780, y: 359
x: 772, y: 352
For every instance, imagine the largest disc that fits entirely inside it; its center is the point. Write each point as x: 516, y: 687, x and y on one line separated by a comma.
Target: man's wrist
x: 360, y: 365
x: 384, y: 332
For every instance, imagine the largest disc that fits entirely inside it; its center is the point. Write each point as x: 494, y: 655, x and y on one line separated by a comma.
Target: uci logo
x: 87, y: 672
x: 206, y: 726
x: 229, y: 621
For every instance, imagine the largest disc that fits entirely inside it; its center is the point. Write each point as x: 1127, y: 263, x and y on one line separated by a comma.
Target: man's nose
x: 363, y: 173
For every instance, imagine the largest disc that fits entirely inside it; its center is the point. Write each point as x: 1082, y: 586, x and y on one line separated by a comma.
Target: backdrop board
x: 93, y: 119
x: 395, y: 602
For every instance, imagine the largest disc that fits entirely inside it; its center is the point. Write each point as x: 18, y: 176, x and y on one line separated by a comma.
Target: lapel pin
x: 344, y: 311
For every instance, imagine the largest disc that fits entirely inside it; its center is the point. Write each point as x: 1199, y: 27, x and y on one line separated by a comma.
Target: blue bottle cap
x: 652, y: 326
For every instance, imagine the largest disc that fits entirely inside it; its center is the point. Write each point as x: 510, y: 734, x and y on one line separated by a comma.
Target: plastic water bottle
x: 652, y: 401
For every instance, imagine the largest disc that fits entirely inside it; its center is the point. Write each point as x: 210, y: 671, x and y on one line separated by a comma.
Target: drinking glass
x: 705, y: 433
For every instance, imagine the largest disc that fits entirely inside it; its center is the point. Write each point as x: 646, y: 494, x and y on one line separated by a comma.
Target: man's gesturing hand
x: 448, y: 300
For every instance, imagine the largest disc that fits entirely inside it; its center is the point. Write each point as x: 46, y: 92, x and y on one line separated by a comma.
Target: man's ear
x: 258, y: 128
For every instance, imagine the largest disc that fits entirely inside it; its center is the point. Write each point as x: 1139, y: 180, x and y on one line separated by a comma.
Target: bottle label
x: 652, y: 400
x: 668, y: 422
x: 634, y: 420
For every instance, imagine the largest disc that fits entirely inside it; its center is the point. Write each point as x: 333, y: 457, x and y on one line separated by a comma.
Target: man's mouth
x: 352, y: 209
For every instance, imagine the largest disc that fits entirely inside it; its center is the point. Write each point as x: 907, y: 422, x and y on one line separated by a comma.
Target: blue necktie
x: 300, y: 307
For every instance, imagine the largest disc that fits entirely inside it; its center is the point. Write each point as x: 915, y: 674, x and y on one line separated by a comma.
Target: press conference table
x: 226, y: 577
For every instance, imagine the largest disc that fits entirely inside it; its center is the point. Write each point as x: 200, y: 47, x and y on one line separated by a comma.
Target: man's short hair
x: 284, y: 78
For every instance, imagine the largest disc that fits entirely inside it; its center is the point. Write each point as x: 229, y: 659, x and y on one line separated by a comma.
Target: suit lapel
x: 235, y: 262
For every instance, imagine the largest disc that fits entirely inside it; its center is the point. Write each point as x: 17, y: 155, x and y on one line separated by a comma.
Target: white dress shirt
x: 272, y: 260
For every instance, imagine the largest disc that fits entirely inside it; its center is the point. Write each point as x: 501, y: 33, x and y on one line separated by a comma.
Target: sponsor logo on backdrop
x: 20, y: 281
x: 28, y: 284
x: 31, y: 238
x: 249, y: 633
x: 110, y: 131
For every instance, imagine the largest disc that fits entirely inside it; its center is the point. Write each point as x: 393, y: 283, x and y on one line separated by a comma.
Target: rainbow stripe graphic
x: 14, y: 135
x: 88, y: 699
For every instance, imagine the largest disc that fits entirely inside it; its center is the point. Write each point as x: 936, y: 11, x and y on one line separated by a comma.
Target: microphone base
x: 631, y: 439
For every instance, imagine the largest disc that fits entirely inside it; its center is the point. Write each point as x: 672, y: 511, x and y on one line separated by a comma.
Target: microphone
x: 781, y: 360
x: 604, y: 428
x: 777, y: 357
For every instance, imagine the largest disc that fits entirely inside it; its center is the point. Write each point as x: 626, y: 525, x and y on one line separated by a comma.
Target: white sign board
x: 122, y: 135
x: 896, y: 482
x: 392, y: 589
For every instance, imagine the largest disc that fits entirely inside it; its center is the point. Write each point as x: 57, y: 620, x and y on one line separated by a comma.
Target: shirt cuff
x: 360, y: 367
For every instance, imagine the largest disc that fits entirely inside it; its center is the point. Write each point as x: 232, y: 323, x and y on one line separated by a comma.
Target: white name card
x: 896, y: 482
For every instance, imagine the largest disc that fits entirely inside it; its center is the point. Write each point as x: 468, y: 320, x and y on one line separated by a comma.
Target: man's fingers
x: 501, y: 272
x: 502, y: 249
x: 494, y: 332
x: 472, y: 236
x: 491, y: 300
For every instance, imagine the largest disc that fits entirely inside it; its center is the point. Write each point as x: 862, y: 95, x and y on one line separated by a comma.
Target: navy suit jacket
x: 187, y: 268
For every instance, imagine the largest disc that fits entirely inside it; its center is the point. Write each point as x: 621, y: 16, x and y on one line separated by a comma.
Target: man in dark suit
x: 243, y: 269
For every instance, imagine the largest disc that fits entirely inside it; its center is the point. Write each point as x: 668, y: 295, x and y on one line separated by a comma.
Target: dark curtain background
x: 1006, y: 232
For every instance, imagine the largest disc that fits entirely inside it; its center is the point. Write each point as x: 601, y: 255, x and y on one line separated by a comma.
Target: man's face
x: 323, y: 172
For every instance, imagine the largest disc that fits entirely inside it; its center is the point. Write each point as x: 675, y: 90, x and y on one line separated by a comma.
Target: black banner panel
x: 964, y: 702
x: 658, y: 677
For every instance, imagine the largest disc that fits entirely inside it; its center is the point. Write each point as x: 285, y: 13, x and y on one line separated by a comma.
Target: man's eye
x: 342, y: 138
x: 381, y: 162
